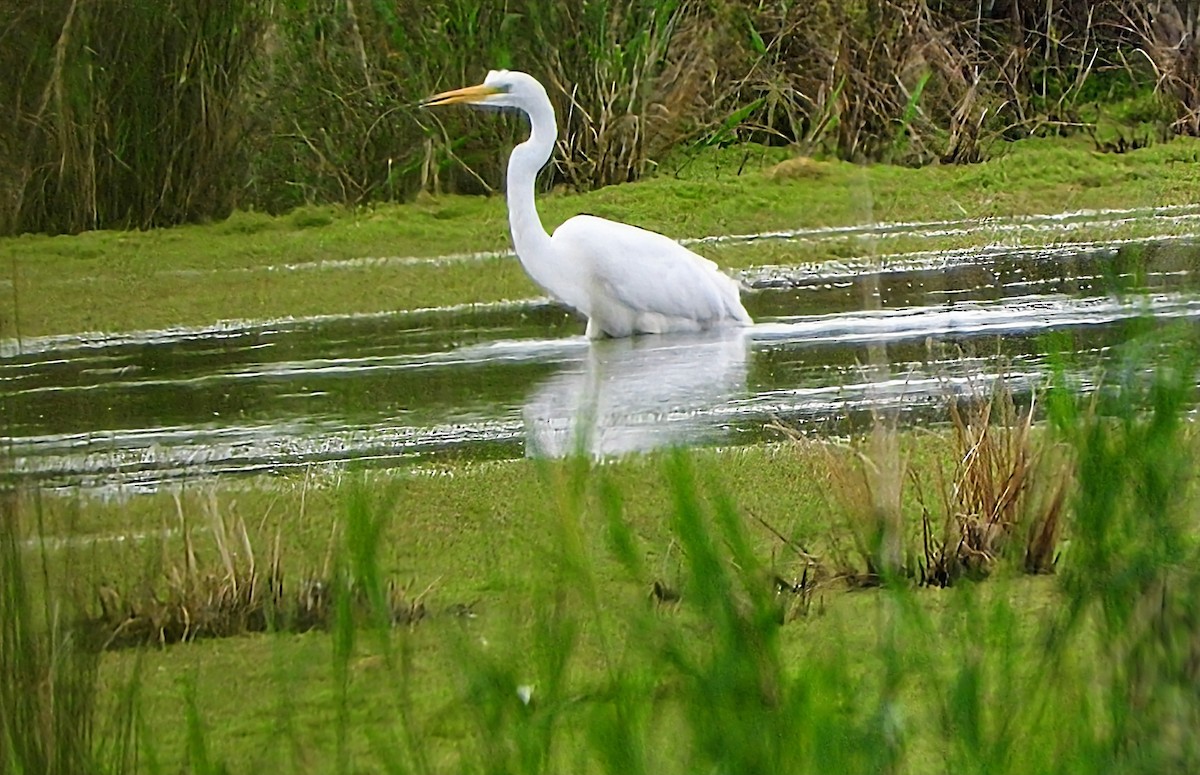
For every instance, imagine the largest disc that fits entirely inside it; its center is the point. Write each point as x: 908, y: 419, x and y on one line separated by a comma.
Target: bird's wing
x: 647, y: 271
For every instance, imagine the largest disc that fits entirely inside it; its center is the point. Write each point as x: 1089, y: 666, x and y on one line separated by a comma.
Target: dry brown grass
x: 893, y: 84
x: 1166, y: 32
x: 796, y: 595
x: 1005, y: 496
x: 232, y: 594
x: 866, y: 482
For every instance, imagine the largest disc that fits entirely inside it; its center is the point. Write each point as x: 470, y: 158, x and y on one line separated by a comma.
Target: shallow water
x: 833, y: 344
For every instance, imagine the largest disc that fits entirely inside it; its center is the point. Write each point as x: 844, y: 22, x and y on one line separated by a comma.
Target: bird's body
x: 628, y: 280
x: 624, y: 279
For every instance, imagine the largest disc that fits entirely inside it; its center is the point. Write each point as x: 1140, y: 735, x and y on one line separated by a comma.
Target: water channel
x: 832, y: 345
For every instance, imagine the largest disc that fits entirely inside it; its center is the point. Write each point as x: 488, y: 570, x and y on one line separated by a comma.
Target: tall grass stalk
x: 1134, y: 556
x: 364, y: 600
x: 124, y: 114
x: 48, y: 676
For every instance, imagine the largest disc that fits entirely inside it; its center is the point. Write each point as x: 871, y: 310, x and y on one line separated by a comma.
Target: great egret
x: 625, y: 280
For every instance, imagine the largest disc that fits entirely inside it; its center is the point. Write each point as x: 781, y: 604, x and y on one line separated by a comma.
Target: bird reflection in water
x: 634, y: 395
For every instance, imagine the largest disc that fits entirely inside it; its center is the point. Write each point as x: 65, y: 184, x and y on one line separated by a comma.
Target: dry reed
x: 234, y: 594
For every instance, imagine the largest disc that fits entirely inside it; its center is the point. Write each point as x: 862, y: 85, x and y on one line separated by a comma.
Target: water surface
x: 833, y: 344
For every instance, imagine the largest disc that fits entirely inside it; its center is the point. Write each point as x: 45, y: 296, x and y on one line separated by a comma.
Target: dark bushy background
x: 123, y: 113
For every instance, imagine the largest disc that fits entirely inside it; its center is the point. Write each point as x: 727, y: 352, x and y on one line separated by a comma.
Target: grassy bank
x: 669, y: 613
x: 246, y: 267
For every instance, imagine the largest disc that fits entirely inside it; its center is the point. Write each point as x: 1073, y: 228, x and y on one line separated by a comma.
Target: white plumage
x: 624, y: 279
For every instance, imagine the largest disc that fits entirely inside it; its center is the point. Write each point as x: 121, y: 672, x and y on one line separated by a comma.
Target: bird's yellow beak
x: 467, y: 94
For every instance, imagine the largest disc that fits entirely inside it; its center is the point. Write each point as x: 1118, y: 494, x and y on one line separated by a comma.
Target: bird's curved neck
x: 530, y: 239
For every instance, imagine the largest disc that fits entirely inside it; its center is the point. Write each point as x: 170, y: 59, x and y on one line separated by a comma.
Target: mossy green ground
x: 490, y: 536
x: 504, y: 539
x: 237, y: 269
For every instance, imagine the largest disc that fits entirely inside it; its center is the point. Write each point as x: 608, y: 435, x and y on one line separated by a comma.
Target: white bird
x: 624, y: 279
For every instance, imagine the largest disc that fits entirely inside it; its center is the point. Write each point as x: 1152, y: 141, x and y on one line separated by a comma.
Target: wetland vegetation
x: 732, y: 609
x: 289, y: 485
x: 268, y: 106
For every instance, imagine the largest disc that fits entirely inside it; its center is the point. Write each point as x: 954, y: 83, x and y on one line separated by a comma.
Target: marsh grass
x: 630, y: 87
x: 1175, y: 58
x: 123, y: 115
x: 232, y: 594
x: 866, y: 478
x: 1004, y: 496
x: 271, y: 106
